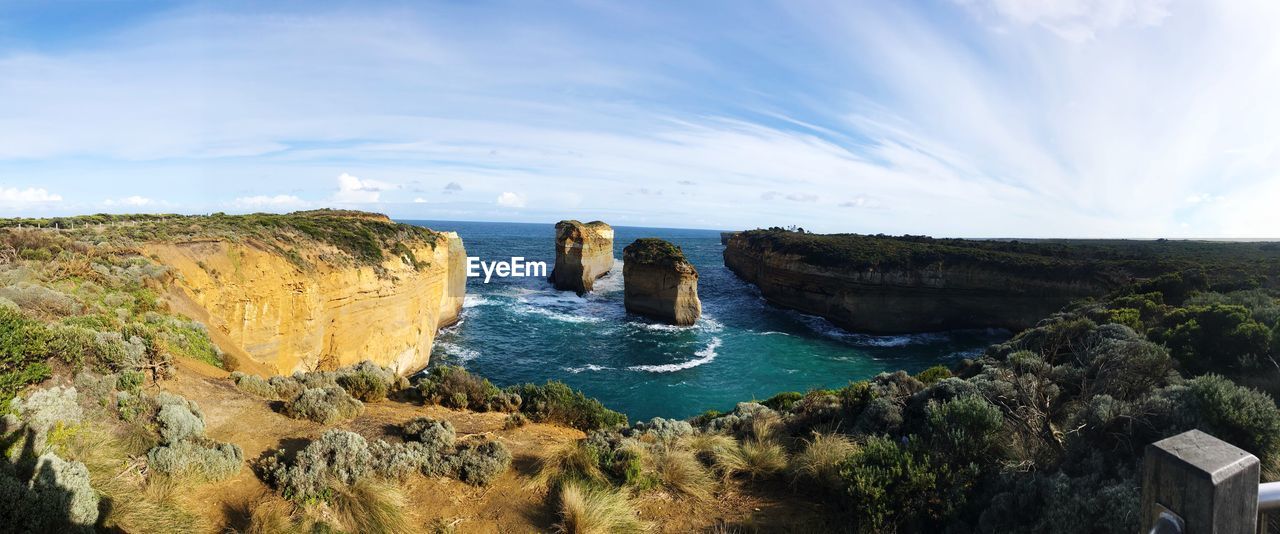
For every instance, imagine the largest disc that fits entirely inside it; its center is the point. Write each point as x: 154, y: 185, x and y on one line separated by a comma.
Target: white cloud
x: 355, y: 190
x: 419, y: 200
x: 1077, y: 20
x: 452, y: 187
x: 276, y: 202
x: 132, y: 201
x: 12, y: 196
x: 511, y: 200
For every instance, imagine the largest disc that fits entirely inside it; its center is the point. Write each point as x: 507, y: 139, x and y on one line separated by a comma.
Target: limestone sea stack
x: 659, y: 282
x: 584, y: 253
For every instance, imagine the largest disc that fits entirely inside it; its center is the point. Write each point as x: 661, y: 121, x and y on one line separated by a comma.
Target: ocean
x: 516, y: 330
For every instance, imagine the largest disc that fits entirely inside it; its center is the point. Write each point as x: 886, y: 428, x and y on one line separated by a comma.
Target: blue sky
x: 1036, y: 118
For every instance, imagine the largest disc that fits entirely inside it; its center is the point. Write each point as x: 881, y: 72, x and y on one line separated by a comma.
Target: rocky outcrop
x: 726, y: 236
x: 287, y: 318
x: 660, y: 283
x: 584, y: 253
x: 920, y: 297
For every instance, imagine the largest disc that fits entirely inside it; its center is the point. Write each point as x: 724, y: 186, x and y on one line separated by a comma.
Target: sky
x: 970, y: 118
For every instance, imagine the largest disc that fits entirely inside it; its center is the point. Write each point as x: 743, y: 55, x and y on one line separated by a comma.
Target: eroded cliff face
x: 286, y: 318
x: 584, y: 253
x: 662, y: 289
x: 895, y: 301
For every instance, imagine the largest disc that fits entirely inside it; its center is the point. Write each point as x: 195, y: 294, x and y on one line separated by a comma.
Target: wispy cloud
x: 976, y: 117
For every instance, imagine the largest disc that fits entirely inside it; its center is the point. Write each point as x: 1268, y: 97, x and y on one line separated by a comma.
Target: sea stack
x: 659, y: 282
x: 584, y: 253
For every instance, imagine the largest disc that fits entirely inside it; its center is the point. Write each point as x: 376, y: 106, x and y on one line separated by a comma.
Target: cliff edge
x: 316, y: 290
x: 584, y: 253
x: 888, y: 285
x: 660, y: 283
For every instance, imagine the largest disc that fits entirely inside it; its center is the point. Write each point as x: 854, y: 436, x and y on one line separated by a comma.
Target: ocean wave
x: 587, y: 367
x: 471, y: 301
x: 704, y: 356
x: 457, y: 351
x: 610, y: 282
x: 704, y: 324
x: 558, y: 316
x: 830, y: 330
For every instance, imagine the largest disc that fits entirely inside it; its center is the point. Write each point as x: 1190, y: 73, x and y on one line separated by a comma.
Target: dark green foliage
x: 784, y: 400
x: 653, y: 251
x: 454, y: 387
x: 934, y: 374
x: 555, y: 402
x: 1243, y: 417
x: 964, y: 430
x: 1216, y: 337
x: 888, y: 486
x: 24, y: 346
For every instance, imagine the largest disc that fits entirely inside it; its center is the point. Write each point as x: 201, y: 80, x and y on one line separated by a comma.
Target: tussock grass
x: 571, y: 461
x: 762, y: 459
x: 820, y: 459
x: 680, y: 472
x: 370, y: 507
x: 586, y: 509
x: 273, y: 515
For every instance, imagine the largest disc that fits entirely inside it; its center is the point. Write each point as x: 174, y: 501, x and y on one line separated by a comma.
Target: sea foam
x: 704, y: 356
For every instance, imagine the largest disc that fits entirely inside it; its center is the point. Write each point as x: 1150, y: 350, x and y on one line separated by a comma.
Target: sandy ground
x: 506, y: 506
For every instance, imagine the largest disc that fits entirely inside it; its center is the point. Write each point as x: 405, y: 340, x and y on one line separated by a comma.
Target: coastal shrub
x: 1241, y: 416
x: 368, y: 381
x: 41, y: 300
x: 588, y: 509
x: 965, y: 429
x: 1218, y: 338
x: 177, y: 423
x: 480, y: 464
x: 197, y: 457
x: 396, y: 461
x: 46, y: 409
x: 514, y: 421
x: 325, y: 405
x: 335, y: 458
x: 436, y: 435
x: 454, y: 387
x: 253, y: 384
x: 740, y: 420
x: 784, y: 400
x: 63, y: 495
x: 558, y: 403
x: 933, y: 374
x: 665, y: 429
x: 24, y: 346
x: 887, y: 486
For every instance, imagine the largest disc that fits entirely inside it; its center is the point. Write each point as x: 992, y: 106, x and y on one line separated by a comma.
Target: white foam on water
x: 587, y: 367
x: 471, y: 301
x: 457, y: 351
x: 610, y: 282
x: 558, y: 316
x: 826, y: 328
x: 704, y: 356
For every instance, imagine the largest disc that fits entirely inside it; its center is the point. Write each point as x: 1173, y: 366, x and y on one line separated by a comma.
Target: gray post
x: 1194, y: 483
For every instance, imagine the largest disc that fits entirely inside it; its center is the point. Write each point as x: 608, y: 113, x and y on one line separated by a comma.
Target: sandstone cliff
x: 584, y: 253
x: 660, y: 283
x: 879, y: 292
x: 316, y: 306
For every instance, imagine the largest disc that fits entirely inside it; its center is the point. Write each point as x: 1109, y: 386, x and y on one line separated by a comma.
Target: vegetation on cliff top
x: 653, y: 251
x: 362, y: 238
x: 1230, y: 265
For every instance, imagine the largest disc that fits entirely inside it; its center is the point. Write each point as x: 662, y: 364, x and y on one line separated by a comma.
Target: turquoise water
x: 516, y: 330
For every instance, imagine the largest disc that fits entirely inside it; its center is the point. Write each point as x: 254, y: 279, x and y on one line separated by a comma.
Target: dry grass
x: 681, y: 472
x: 274, y: 515
x: 585, y: 509
x: 137, y: 503
x: 571, y: 461
x: 370, y: 507
x: 820, y: 460
x: 762, y: 459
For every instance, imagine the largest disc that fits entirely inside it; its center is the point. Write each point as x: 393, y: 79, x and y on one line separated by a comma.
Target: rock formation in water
x: 659, y: 282
x: 886, y: 285
x: 584, y: 253
x: 319, y: 305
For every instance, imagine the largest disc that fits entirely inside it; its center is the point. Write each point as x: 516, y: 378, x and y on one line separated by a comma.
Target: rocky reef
x: 338, y: 298
x: 884, y: 285
x: 584, y: 253
x: 660, y: 283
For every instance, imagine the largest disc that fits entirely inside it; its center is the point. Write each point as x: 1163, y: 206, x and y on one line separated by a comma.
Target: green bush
x: 887, y: 486
x: 434, y: 434
x: 558, y: 403
x: 24, y: 346
x: 1241, y: 416
x: 454, y: 387
x: 784, y: 400
x: 934, y: 374
x: 365, y: 386
x: 254, y: 385
x: 197, y: 457
x: 1216, y: 338
x: 480, y: 464
x: 336, y: 457
x: 965, y: 430
x: 324, y: 405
